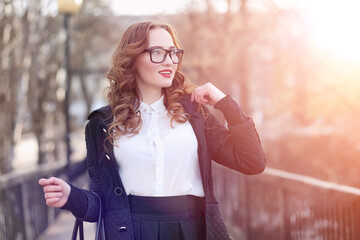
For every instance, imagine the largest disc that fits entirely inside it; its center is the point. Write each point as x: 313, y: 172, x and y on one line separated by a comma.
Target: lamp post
x: 68, y: 7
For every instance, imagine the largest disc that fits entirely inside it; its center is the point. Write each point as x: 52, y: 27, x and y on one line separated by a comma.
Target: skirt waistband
x: 166, y: 208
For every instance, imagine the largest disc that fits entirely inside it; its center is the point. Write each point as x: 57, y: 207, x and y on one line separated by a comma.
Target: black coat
x: 237, y: 147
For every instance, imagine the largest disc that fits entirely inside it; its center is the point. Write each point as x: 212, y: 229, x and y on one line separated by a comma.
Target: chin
x: 168, y: 84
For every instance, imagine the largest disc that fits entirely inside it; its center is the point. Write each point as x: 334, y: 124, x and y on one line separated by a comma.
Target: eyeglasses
x: 158, y: 55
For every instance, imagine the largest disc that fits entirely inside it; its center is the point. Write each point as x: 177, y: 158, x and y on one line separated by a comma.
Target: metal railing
x: 23, y: 212
x: 273, y: 205
x: 281, y: 205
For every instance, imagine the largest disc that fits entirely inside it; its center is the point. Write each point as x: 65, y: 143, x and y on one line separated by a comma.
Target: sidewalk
x: 62, y: 228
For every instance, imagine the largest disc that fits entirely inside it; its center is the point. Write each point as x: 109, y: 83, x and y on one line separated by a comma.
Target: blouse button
x: 118, y: 191
x: 107, y: 157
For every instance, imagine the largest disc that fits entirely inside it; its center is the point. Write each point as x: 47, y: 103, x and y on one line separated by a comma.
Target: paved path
x: 62, y: 228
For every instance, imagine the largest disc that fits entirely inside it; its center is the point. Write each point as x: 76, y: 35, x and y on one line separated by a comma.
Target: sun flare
x: 335, y: 27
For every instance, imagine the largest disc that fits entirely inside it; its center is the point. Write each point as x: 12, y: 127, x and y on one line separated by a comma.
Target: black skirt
x: 168, y: 218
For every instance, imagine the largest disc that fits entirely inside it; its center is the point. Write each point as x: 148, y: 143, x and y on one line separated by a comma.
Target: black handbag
x: 79, y: 226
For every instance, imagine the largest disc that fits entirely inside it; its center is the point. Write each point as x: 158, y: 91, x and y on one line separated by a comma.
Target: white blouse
x: 159, y: 160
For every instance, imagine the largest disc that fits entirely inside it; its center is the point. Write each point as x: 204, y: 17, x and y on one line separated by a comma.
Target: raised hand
x: 207, y: 94
x: 56, y: 191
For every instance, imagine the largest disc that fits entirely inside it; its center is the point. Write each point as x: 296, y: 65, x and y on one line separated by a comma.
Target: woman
x: 149, y: 152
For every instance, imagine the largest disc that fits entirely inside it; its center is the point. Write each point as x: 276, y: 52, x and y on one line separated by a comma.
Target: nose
x: 168, y: 60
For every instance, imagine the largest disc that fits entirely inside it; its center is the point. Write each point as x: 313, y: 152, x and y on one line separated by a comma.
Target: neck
x: 150, y: 97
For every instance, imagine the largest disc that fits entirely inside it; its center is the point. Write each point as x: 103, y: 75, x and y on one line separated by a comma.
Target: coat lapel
x: 197, y: 122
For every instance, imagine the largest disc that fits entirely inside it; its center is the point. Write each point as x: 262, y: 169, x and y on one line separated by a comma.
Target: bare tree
x: 10, y: 29
x: 28, y: 67
x: 32, y: 88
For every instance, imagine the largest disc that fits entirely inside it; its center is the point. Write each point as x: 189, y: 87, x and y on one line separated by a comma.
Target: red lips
x: 166, y: 73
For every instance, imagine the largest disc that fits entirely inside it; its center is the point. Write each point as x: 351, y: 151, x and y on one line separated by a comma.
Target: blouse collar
x: 157, y: 106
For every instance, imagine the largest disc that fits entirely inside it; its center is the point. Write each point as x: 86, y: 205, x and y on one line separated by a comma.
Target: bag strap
x: 100, y: 230
x: 100, y: 224
x: 78, y: 225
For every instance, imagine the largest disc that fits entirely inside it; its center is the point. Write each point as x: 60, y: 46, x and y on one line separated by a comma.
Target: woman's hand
x: 56, y: 191
x: 207, y: 94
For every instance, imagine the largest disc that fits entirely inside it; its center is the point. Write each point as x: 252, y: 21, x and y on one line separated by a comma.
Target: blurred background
x: 293, y: 65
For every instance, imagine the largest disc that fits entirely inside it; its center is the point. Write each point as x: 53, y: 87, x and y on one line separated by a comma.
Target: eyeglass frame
x: 167, y: 52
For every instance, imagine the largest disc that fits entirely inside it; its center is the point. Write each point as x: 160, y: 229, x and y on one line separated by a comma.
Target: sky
x: 146, y: 7
x: 334, y: 25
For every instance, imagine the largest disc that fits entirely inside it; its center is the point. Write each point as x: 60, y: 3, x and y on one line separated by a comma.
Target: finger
x: 52, y: 188
x: 197, y: 97
x: 202, y: 98
x: 55, y: 181
x: 53, y: 195
x: 203, y: 102
x: 51, y: 201
x: 51, y: 180
x: 192, y: 97
x: 43, y: 181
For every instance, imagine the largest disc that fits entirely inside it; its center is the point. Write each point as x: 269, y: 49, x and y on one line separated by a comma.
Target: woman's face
x: 152, y: 77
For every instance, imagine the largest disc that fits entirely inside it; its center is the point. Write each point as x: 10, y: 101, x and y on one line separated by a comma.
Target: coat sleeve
x: 237, y: 147
x: 82, y: 203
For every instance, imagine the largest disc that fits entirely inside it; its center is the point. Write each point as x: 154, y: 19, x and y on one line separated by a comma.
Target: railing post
x: 248, y: 210
x: 285, y: 214
x: 357, y: 220
x: 26, y: 216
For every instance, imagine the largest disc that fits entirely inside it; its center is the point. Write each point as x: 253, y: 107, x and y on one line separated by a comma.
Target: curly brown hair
x: 122, y: 93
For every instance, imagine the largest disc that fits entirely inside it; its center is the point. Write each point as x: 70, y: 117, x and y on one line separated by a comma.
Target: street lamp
x: 68, y: 7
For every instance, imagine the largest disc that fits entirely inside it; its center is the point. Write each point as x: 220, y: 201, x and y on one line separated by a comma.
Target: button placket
x: 150, y: 132
x: 159, y: 158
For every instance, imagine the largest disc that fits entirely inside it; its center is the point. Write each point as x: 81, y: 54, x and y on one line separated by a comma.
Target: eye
x: 156, y: 51
x: 176, y: 52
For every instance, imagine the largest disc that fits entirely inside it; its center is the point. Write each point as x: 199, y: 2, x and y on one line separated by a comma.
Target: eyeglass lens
x: 158, y: 55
